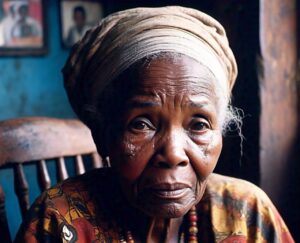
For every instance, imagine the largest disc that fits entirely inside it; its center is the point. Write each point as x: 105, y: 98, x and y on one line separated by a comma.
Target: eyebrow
x: 142, y: 104
x: 197, y: 104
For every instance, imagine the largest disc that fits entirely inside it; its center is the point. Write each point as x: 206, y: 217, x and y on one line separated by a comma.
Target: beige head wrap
x: 125, y: 37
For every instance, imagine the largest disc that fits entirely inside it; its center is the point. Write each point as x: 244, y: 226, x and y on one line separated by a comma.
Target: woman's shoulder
x: 240, y: 210
x: 234, y: 188
x: 239, y: 198
x: 72, y: 209
x: 78, y: 188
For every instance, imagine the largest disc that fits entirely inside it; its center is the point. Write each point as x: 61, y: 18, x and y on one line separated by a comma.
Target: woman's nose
x: 172, y: 151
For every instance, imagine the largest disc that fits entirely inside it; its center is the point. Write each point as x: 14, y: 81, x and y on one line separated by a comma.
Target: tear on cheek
x: 129, y: 149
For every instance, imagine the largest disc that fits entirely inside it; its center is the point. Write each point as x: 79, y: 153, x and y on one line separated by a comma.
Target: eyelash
x: 146, y: 123
x: 204, y: 125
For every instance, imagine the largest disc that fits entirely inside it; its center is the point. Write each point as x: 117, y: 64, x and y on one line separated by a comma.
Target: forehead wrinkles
x: 175, y: 85
x: 178, y: 74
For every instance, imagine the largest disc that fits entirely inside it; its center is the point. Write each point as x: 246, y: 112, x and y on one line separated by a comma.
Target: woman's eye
x: 141, y: 125
x: 199, y: 126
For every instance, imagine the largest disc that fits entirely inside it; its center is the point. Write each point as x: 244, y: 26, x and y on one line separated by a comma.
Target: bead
x: 192, y: 237
x: 193, y: 223
x: 193, y: 230
x: 129, y: 238
x: 193, y: 218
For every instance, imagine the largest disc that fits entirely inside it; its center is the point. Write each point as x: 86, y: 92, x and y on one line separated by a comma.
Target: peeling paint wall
x: 32, y: 86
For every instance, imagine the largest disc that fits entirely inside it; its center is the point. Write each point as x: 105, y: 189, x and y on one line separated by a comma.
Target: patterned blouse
x: 87, y: 208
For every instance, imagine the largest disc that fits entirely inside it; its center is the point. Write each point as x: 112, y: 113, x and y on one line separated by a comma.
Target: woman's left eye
x: 199, y: 126
x: 140, y: 124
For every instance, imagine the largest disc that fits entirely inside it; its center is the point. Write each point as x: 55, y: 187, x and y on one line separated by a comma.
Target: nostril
x: 182, y: 164
x: 166, y: 165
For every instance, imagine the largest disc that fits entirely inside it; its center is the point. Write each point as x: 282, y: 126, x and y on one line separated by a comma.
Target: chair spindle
x: 79, y: 166
x: 21, y: 189
x: 4, y: 230
x: 62, y: 170
x: 44, y: 175
x: 97, y: 162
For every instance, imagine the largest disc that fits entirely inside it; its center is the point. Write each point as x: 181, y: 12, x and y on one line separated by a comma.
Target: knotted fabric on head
x: 126, y: 37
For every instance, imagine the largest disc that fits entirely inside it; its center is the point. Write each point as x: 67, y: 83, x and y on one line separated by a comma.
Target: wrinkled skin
x: 170, y: 139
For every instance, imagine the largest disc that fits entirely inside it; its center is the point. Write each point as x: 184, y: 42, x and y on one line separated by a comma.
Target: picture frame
x: 23, y: 27
x: 77, y: 17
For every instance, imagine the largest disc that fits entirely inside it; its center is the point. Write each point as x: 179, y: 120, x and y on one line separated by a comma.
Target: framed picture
x: 77, y: 17
x: 22, y: 27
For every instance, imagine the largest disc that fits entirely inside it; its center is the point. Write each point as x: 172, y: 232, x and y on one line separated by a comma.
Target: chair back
x: 35, y: 140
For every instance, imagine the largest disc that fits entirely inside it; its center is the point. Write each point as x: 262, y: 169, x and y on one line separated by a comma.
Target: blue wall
x: 32, y: 86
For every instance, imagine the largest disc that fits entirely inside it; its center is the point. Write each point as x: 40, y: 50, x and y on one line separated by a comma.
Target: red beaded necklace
x: 192, y: 230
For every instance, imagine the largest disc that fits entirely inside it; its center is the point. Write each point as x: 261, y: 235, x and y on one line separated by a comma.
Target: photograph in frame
x: 77, y: 17
x: 22, y: 27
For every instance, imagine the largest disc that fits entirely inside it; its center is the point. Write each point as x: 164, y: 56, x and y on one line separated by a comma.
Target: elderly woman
x: 153, y: 85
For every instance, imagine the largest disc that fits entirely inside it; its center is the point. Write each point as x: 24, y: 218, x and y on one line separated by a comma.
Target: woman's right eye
x: 141, y: 124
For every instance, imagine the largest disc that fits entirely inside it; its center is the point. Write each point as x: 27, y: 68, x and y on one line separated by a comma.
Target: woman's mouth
x: 168, y: 191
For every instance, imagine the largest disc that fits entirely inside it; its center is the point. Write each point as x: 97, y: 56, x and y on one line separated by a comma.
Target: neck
x: 147, y: 229
x: 164, y: 230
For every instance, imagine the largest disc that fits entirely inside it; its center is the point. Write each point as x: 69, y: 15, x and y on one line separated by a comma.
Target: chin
x: 167, y: 205
x: 166, y: 210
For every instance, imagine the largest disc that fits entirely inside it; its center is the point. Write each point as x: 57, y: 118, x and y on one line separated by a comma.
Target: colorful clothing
x: 87, y: 209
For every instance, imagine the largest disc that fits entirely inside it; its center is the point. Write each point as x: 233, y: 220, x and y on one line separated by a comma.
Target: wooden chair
x: 38, y: 139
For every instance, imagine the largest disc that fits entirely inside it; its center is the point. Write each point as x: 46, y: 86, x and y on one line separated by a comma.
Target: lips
x: 167, y: 191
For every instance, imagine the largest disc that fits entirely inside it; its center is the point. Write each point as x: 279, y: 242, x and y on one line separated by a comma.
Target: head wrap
x: 125, y: 37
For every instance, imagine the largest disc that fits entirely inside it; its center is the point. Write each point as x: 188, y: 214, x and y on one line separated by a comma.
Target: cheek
x: 204, y: 157
x: 130, y: 156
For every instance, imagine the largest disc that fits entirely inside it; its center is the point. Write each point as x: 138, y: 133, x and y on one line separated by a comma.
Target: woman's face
x: 170, y: 137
